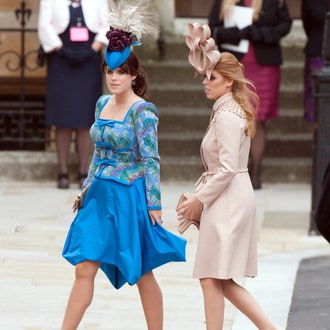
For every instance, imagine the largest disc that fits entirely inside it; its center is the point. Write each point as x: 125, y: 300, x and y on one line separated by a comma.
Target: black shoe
x: 82, y: 178
x: 256, y: 184
x: 63, y: 181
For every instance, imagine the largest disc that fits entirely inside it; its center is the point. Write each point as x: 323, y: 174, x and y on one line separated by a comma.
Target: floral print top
x: 127, y: 150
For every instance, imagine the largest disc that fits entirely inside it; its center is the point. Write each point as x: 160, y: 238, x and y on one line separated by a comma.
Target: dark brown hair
x: 132, y: 67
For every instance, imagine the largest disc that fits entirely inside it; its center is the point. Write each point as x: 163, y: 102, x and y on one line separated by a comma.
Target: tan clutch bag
x: 184, y: 222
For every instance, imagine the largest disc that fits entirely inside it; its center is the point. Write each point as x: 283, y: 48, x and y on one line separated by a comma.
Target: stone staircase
x: 184, y: 114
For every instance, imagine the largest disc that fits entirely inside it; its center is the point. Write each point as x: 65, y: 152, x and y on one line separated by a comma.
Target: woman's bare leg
x: 152, y: 301
x: 214, y: 303
x: 81, y: 294
x: 244, y: 301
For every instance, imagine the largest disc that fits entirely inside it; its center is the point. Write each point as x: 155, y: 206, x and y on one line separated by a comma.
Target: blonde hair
x: 243, y: 90
x: 228, y: 5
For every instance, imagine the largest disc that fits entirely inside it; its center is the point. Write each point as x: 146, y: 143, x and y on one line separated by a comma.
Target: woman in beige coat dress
x: 227, y: 246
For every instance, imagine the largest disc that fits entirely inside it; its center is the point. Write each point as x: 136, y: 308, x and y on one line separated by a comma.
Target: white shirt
x: 54, y: 17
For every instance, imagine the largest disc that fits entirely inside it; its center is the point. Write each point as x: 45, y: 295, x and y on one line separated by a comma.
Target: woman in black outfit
x: 72, y: 34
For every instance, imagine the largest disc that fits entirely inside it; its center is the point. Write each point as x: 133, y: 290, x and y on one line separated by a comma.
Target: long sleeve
x: 228, y: 131
x: 273, y: 34
x: 146, y: 122
x: 96, y: 19
x: 54, y: 17
x: 47, y: 33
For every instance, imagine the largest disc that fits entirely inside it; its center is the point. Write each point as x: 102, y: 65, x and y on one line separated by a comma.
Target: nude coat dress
x: 227, y: 244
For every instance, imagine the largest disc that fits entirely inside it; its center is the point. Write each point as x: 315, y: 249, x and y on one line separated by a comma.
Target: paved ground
x: 310, y: 307
x: 35, y: 280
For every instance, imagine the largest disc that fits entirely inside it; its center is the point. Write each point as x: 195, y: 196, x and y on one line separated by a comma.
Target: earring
x: 133, y: 83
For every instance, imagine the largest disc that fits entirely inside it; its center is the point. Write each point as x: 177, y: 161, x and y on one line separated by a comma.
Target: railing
x: 21, y: 120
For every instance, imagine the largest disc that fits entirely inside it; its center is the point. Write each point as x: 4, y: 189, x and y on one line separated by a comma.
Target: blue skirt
x: 113, y: 227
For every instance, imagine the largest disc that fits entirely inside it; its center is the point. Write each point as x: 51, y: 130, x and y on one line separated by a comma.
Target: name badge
x: 79, y: 34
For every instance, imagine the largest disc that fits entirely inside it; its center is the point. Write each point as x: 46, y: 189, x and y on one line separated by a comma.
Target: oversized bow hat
x: 202, y: 56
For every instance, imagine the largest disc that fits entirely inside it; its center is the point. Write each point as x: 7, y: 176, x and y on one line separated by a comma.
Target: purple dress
x: 312, y: 65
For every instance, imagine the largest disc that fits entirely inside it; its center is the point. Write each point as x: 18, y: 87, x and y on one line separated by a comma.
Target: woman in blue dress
x: 119, y: 225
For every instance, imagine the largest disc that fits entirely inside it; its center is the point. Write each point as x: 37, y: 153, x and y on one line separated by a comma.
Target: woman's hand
x: 155, y: 216
x: 189, y: 207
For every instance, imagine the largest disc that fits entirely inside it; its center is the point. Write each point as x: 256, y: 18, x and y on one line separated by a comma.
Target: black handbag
x: 41, y: 57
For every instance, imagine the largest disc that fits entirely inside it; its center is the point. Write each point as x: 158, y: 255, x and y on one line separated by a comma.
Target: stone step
x: 292, y: 73
x: 181, y: 119
x: 181, y: 72
x: 275, y: 170
x: 192, y: 96
x: 289, y: 121
x: 291, y: 96
x: 289, y: 145
x: 184, y: 95
x: 293, y: 50
x: 171, y: 71
x: 15, y: 105
x: 42, y: 165
x: 291, y: 170
x: 278, y: 145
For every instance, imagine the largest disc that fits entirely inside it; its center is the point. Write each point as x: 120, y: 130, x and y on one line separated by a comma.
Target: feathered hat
x: 129, y: 20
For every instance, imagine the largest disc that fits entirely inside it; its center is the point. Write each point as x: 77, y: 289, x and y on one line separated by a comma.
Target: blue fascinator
x: 115, y: 59
x: 119, y: 47
x: 129, y: 20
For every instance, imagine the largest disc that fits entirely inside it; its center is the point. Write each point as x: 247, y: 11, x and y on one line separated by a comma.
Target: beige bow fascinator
x: 202, y: 56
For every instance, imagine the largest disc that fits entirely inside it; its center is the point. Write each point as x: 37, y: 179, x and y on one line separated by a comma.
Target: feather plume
x: 139, y: 17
